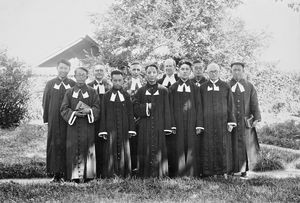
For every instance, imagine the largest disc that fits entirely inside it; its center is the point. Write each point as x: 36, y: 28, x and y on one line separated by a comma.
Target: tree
x: 155, y: 29
x: 13, y: 91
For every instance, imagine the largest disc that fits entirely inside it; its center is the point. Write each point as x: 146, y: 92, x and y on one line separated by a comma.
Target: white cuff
x: 102, y: 133
x: 132, y: 132
x: 199, y: 128
x: 168, y: 131
x: 173, y: 128
x: 147, y: 109
x: 72, y: 118
x: 91, y: 117
x: 232, y: 123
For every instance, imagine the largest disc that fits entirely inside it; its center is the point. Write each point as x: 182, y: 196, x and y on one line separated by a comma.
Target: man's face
x: 117, y: 81
x: 197, y: 69
x: 213, y: 73
x: 184, y: 71
x: 63, y: 70
x: 169, y: 67
x: 237, y: 72
x: 99, y: 72
x: 80, y: 76
x: 151, y: 74
x: 135, y: 70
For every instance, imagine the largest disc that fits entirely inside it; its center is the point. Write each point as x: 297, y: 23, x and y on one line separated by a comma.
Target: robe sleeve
x: 46, y: 100
x: 230, y: 108
x: 200, y: 119
x: 103, y: 127
x: 171, y: 100
x: 66, y: 112
x: 254, y: 108
x: 95, y: 108
x: 131, y: 127
x: 167, y: 113
x: 139, y: 108
x: 199, y: 111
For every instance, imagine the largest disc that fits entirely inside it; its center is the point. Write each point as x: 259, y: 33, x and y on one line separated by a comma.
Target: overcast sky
x: 34, y: 29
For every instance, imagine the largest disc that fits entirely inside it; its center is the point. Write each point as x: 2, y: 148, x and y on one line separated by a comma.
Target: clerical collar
x: 153, y: 85
x: 214, y: 81
x: 61, y: 79
x: 184, y: 81
x: 198, y: 78
x: 82, y: 87
x: 99, y: 82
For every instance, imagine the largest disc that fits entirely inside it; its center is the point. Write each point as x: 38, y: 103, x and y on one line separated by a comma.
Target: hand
x: 149, y: 106
x: 79, y: 114
x: 199, y: 131
x: 254, y: 123
x: 174, y: 131
x: 85, y: 111
x: 131, y: 135
x: 168, y: 133
x: 229, y: 127
x: 104, y: 136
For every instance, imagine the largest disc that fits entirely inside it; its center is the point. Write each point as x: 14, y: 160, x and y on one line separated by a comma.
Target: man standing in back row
x: 57, y: 128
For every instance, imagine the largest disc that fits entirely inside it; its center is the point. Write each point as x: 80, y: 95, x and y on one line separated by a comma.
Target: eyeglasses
x: 80, y: 75
x: 213, y: 72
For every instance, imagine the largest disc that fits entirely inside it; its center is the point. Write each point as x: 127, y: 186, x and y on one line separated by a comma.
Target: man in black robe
x: 186, y: 111
x: 198, y: 78
x: 57, y: 128
x: 116, y: 127
x: 218, y: 121
x: 170, y: 77
x: 151, y: 107
x: 101, y: 85
x: 245, y: 145
x: 80, y: 108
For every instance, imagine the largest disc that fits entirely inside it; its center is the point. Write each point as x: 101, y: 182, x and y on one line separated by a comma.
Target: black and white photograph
x: 149, y: 101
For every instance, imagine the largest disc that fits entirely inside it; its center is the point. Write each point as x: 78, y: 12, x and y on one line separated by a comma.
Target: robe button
x: 238, y: 100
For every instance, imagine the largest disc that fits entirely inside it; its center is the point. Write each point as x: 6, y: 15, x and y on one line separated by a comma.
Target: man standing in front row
x: 218, y: 121
x: 80, y: 108
x: 101, y: 85
x: 245, y: 145
x: 57, y: 128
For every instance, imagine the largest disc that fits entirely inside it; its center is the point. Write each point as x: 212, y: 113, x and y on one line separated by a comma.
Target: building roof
x: 81, y: 49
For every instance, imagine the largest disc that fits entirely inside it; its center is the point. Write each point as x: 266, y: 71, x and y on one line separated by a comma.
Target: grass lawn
x: 166, y: 190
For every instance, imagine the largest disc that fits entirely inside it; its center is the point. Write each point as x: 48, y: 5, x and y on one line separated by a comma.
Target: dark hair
x: 152, y: 65
x: 82, y: 68
x: 238, y: 63
x: 135, y: 63
x: 197, y: 61
x: 183, y: 61
x: 116, y: 72
x: 64, y: 61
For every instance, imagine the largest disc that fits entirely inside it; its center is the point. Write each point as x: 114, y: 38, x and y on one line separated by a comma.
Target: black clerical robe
x: 198, y: 80
x: 116, y: 123
x: 161, y: 80
x: 245, y: 145
x: 218, y: 111
x: 153, y: 124
x: 57, y: 128
x: 99, y: 143
x: 81, y: 157
x: 185, y: 105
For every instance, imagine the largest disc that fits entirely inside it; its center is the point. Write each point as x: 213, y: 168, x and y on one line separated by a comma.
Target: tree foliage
x: 13, y: 91
x: 148, y: 30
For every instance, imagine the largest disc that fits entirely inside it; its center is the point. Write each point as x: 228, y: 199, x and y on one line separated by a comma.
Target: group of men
x: 149, y: 127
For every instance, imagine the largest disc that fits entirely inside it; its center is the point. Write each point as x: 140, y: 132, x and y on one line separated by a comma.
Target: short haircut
x: 197, y: 61
x: 135, y: 63
x: 64, y: 61
x: 152, y: 65
x: 81, y: 68
x: 183, y: 61
x: 237, y: 63
x: 172, y: 60
x: 116, y: 72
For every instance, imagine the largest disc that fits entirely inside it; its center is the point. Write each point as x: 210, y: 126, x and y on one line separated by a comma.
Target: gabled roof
x: 81, y: 48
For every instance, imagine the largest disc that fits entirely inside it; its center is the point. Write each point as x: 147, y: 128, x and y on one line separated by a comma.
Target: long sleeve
x: 46, y: 100
x: 103, y: 127
x: 171, y: 101
x: 66, y: 112
x: 95, y: 108
x: 254, y: 107
x: 198, y: 103
x: 131, y: 126
x: 167, y: 112
x: 139, y: 108
x: 230, y: 107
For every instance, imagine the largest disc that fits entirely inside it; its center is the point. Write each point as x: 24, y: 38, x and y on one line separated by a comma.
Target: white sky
x: 33, y: 29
